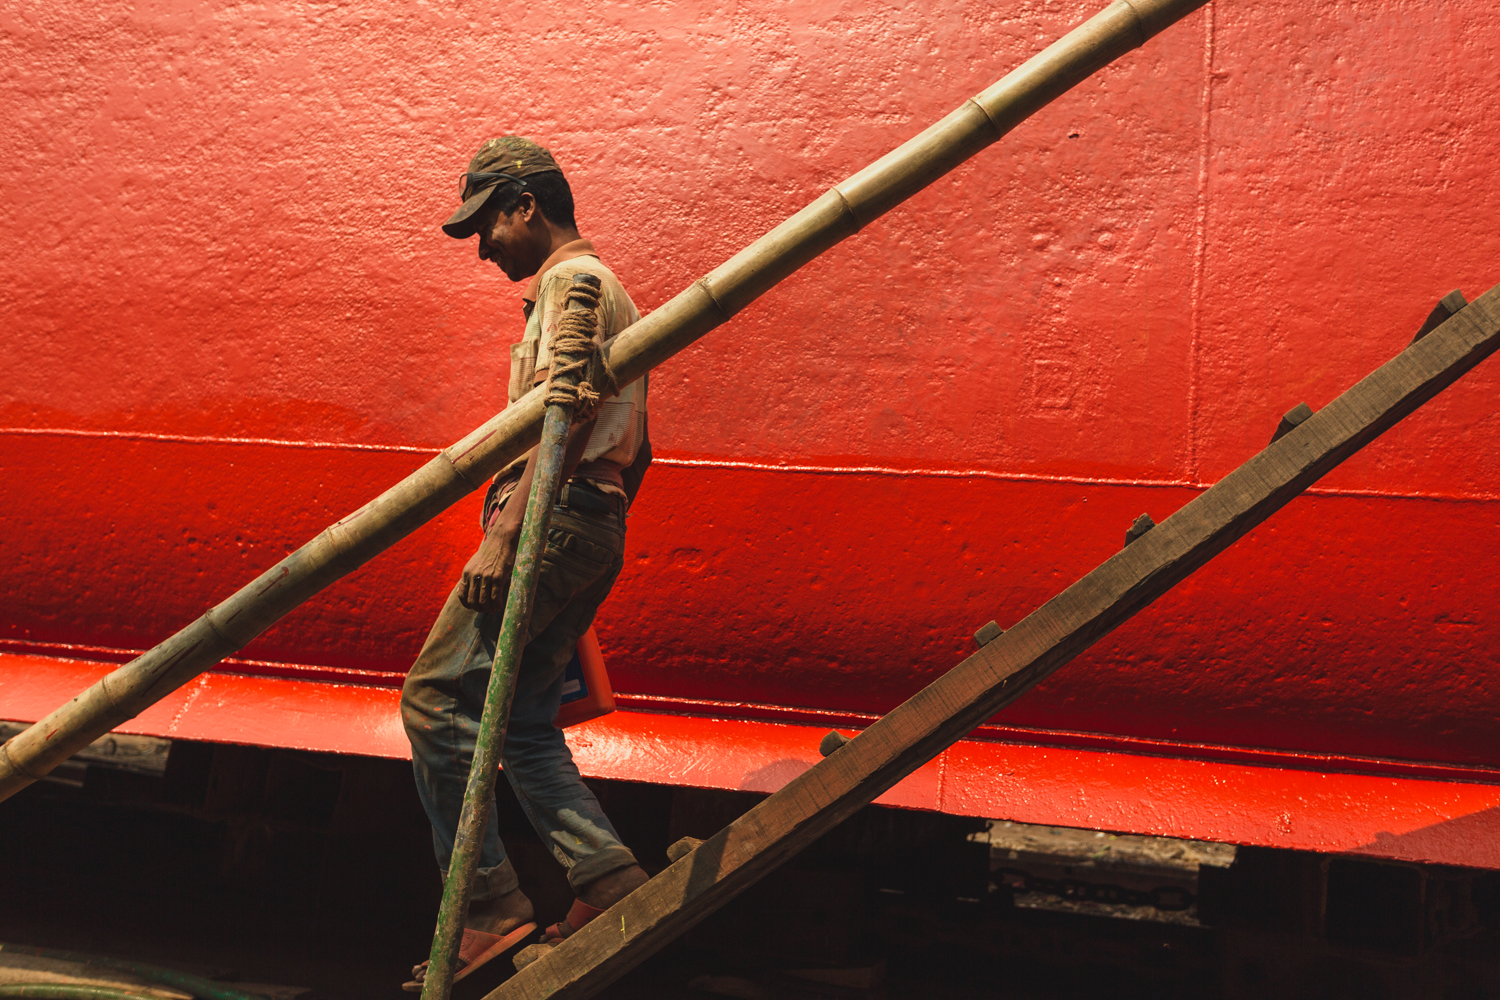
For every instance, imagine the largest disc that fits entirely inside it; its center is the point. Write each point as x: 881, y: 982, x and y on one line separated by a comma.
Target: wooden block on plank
x: 1447, y: 306
x: 682, y: 848
x: 1138, y: 527
x: 988, y: 633
x: 1291, y: 418
x: 951, y: 706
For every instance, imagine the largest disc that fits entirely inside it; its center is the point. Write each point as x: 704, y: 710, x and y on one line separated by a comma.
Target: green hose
x: 204, y: 989
x: 66, y: 991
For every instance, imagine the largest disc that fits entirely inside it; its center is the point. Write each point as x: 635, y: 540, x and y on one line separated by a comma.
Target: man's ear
x: 526, y: 208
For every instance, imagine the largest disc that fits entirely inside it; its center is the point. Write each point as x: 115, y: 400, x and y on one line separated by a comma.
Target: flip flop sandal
x: 476, y: 949
x: 578, y: 915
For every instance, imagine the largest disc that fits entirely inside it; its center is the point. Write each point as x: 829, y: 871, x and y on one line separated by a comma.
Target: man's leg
x: 441, y: 703
x: 538, y: 762
x: 585, y: 553
x: 444, y: 696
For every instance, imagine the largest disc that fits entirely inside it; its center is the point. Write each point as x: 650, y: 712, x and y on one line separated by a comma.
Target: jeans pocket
x: 575, y: 567
x: 571, y: 547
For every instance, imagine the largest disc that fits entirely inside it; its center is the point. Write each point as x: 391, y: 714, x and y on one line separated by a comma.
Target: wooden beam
x: 1006, y: 667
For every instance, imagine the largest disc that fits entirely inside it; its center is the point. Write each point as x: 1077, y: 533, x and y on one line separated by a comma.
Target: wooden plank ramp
x: 1156, y: 559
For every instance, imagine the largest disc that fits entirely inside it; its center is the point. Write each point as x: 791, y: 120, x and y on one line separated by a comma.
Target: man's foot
x: 501, y: 915
x: 493, y: 927
x: 607, y: 890
x: 593, y: 899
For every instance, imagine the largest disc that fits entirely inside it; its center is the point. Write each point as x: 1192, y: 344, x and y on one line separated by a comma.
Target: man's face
x: 508, y: 240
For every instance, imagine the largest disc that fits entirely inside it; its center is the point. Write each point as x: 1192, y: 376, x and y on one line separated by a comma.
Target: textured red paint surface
x: 221, y: 224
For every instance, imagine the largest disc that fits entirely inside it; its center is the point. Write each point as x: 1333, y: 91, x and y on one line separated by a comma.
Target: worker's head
x: 515, y: 199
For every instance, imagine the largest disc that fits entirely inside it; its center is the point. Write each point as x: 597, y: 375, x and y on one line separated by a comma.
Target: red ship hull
x: 231, y: 320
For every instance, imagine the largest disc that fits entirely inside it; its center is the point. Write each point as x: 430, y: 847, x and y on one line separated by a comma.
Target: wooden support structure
x: 855, y: 773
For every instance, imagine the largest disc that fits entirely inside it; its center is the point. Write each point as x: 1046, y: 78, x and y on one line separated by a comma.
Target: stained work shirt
x: 621, y: 425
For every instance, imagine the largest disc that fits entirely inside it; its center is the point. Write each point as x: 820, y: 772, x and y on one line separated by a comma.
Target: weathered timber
x: 831, y: 741
x: 708, y: 302
x: 1002, y: 670
x: 988, y: 633
x: 1138, y: 527
x: 1291, y: 418
x: 682, y: 848
x: 1447, y: 306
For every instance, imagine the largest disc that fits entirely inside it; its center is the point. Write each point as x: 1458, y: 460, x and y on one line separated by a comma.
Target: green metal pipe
x: 198, y: 986
x: 442, y: 962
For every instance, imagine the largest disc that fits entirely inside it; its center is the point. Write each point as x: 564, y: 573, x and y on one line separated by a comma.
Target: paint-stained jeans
x: 444, y: 696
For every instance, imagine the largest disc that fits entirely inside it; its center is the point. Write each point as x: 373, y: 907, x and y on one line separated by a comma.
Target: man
x: 516, y: 200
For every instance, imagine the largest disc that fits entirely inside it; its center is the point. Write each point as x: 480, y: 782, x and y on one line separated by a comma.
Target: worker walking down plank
x: 517, y: 201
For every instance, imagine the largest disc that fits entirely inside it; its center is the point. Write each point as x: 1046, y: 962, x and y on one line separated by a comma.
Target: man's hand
x: 487, y: 572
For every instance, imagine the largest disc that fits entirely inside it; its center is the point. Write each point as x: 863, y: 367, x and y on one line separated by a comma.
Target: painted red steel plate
x: 229, y: 319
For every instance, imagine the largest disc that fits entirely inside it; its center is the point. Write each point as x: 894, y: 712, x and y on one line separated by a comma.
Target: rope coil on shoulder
x: 575, y: 352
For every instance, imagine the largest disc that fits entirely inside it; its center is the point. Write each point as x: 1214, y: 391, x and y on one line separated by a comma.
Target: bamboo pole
x: 489, y: 743
x: 711, y: 300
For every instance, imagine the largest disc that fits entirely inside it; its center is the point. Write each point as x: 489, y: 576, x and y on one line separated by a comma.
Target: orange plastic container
x: 586, y: 692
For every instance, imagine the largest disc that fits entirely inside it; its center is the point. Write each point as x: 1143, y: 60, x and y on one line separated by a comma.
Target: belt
x: 586, y: 498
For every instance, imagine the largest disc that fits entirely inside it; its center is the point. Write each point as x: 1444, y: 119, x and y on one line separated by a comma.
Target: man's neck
x: 559, y: 239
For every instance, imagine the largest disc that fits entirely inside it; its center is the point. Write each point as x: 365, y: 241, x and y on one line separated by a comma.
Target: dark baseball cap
x: 506, y: 160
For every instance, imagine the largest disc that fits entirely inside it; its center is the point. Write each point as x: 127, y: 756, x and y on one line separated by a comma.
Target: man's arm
x: 488, y: 570
x: 632, y: 476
